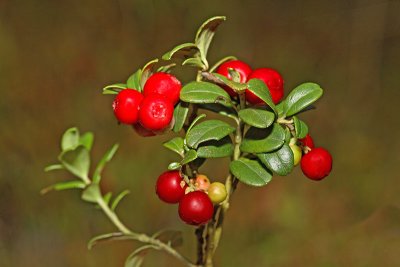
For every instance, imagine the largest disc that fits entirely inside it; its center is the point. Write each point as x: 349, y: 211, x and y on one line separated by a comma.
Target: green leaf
x: 137, y: 257
x: 133, y: 81
x: 257, y: 117
x: 147, y: 71
x: 280, y: 162
x: 180, y: 113
x: 174, y: 166
x: 166, y: 68
x: 260, y: 89
x: 107, y: 197
x: 181, y: 51
x: 222, y: 110
x: 216, y: 149
x: 279, y: 108
x: 176, y: 145
x: 114, y: 89
x: 230, y: 83
x: 260, y: 141
x: 301, y: 97
x: 170, y: 237
x: 205, y: 35
x: 70, y: 139
x: 64, y: 186
x: 54, y: 167
x: 300, y: 127
x: 86, y: 140
x: 109, y: 237
x: 76, y: 161
x: 250, y: 172
x: 197, y: 119
x: 288, y: 135
x: 118, y: 199
x: 208, y: 130
x: 190, y: 156
x: 203, y: 93
x: 91, y: 193
x: 104, y: 160
x: 194, y: 62
x: 222, y: 61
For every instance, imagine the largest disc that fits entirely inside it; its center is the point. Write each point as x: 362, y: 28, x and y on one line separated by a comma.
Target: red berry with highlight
x: 126, y: 106
x: 196, y: 208
x: 164, y: 84
x: 272, y: 79
x: 307, y: 141
x: 156, y: 112
x: 170, y: 187
x: 242, y: 68
x: 316, y: 164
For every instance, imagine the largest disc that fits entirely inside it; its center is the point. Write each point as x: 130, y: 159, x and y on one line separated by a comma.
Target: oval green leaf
x: 260, y: 89
x: 208, y: 130
x: 301, y: 97
x: 300, y: 127
x: 257, y: 117
x: 261, y: 141
x: 280, y: 161
x: 70, y: 139
x: 216, y: 149
x: 250, y: 172
x: 190, y: 156
x: 176, y: 145
x: 180, y: 113
x: 203, y: 93
x: 133, y: 81
x: 76, y: 161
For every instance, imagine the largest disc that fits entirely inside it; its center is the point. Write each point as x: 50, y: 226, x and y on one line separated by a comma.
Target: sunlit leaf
x: 250, y: 172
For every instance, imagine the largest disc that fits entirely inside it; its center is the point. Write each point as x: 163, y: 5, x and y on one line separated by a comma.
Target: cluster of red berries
x: 270, y: 77
x: 196, y: 201
x: 150, y: 112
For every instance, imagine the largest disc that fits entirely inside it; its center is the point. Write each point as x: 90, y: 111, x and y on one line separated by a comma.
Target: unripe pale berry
x: 126, y: 106
x: 316, y: 164
x: 297, y: 152
x: 272, y: 79
x: 156, y: 112
x: 164, y: 84
x: 242, y: 68
x: 217, y: 192
x: 195, y: 208
x: 170, y: 187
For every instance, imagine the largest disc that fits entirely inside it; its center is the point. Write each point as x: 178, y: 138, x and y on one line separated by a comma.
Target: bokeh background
x: 55, y: 56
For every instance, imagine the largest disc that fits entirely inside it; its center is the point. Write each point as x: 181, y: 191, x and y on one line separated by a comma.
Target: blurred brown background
x: 55, y: 56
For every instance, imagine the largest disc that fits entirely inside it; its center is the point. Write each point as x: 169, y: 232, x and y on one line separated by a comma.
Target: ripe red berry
x: 126, y: 106
x: 196, y: 208
x: 242, y: 68
x: 272, y: 79
x: 164, y: 84
x: 316, y: 164
x: 140, y: 130
x: 307, y: 141
x: 170, y: 187
x: 156, y: 112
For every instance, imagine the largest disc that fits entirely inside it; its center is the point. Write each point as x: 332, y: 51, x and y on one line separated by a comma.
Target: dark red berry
x: 126, y: 106
x: 196, y: 208
x: 316, y: 164
x: 307, y: 141
x: 170, y: 187
x: 164, y: 84
x: 242, y: 68
x: 272, y: 79
x: 156, y: 112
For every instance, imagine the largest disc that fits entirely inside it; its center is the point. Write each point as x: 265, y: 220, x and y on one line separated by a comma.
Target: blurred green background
x: 55, y: 56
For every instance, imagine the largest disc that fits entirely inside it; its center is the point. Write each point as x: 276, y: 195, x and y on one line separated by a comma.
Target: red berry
x: 242, y: 68
x: 164, y: 84
x: 126, y: 106
x: 169, y: 187
x: 156, y: 112
x: 316, y: 164
x: 196, y: 208
x: 272, y: 79
x: 307, y: 141
x: 140, y: 130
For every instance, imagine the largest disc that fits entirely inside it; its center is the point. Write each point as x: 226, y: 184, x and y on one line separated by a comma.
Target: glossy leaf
x: 108, y: 237
x: 257, y: 117
x: 86, y: 140
x: 114, y: 89
x: 195, y: 121
x: 176, y: 145
x: 190, y: 156
x: 300, y: 127
x: 77, y: 184
x: 133, y: 81
x: 147, y: 71
x: 102, y: 163
x: 194, y: 62
x: 181, y: 51
x: 216, y: 149
x: 280, y: 161
x: 166, y: 68
x: 222, y: 61
x: 250, y: 172
x: 70, y: 139
x: 180, y: 113
x: 261, y: 141
x: 222, y: 110
x: 230, y: 83
x: 259, y: 88
x: 301, y: 97
x: 92, y: 193
x: 170, y: 237
x: 76, y: 161
x: 174, y: 166
x: 118, y: 199
x: 203, y: 93
x: 137, y: 257
x: 208, y: 130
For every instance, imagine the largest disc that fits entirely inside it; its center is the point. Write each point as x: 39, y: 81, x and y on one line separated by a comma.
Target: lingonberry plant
x: 261, y: 135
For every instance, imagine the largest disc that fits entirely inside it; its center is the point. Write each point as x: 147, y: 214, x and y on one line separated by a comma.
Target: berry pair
x: 152, y: 111
x: 270, y: 77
